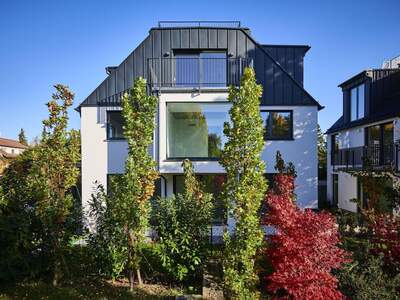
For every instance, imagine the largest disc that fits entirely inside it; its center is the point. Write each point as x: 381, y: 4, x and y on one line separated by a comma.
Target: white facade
x: 101, y: 156
x: 12, y: 150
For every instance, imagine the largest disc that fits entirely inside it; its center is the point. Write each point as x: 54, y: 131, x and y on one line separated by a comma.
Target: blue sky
x: 70, y: 42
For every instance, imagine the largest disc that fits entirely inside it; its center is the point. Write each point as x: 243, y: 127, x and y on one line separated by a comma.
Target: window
x: 278, y: 125
x: 195, y: 130
x: 111, y: 181
x: 357, y: 102
x: 379, y: 139
x: 204, y: 68
x: 114, y: 125
x: 211, y: 183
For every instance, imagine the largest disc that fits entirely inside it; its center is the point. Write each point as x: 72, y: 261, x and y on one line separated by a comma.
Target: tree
x: 22, y: 138
x: 303, y: 250
x: 136, y: 186
x: 322, y: 153
x: 54, y: 173
x: 182, y: 225
x: 245, y: 187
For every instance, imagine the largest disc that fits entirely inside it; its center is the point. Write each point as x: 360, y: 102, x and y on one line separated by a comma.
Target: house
x: 366, y: 135
x: 9, y: 149
x: 188, y: 66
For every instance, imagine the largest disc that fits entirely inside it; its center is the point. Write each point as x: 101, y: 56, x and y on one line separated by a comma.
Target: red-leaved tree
x: 303, y: 251
x: 386, y: 240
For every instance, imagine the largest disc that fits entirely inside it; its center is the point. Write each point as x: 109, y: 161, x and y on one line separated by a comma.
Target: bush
x: 365, y: 279
x: 182, y: 225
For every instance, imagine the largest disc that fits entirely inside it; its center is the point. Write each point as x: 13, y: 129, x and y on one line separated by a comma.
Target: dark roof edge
x: 284, y: 71
x: 198, y: 27
x: 358, y: 75
x: 290, y: 46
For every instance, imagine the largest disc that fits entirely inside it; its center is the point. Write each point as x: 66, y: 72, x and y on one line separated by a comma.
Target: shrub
x: 182, y: 225
x: 365, y: 279
x: 303, y: 250
x: 386, y: 241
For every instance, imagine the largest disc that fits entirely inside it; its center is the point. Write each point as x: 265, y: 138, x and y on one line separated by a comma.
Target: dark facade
x: 382, y: 98
x: 278, y: 68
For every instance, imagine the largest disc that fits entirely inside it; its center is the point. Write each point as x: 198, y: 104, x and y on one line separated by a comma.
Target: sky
x: 71, y: 42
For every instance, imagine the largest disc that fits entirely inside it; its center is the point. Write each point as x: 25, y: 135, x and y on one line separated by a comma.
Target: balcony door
x: 379, y: 142
x: 200, y: 69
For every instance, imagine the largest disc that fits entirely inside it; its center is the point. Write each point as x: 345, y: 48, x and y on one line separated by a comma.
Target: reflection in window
x: 114, y: 125
x: 357, y: 102
x: 211, y: 183
x: 195, y: 130
x: 278, y: 125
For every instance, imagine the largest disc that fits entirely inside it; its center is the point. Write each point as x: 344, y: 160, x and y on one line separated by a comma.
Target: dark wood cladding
x: 282, y: 82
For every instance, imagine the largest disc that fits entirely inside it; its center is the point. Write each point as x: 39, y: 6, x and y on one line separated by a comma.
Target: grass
x: 85, y: 289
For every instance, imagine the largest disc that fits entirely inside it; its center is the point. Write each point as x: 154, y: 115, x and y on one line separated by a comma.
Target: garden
x: 131, y: 245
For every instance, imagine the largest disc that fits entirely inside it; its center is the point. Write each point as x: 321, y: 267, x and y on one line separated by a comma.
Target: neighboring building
x: 9, y: 149
x: 189, y: 68
x: 366, y: 134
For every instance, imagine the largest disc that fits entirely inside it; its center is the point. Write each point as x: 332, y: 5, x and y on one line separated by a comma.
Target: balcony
x: 195, y: 73
x: 377, y: 157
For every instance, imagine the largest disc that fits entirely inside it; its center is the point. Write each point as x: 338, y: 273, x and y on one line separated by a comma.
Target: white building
x: 189, y: 69
x: 366, y: 134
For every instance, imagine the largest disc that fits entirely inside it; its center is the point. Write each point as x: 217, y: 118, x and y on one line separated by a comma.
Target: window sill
x: 175, y: 159
x: 270, y: 140
x: 116, y: 140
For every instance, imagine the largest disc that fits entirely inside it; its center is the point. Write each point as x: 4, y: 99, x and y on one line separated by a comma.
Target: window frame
x: 192, y: 158
x: 290, y: 136
x: 108, y: 112
x: 357, y: 88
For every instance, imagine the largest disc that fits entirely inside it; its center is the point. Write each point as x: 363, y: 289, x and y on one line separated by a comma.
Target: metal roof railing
x: 223, y: 24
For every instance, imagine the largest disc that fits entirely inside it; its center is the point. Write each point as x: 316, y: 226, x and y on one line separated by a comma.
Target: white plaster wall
x: 350, y: 138
x: 347, y: 191
x: 301, y: 151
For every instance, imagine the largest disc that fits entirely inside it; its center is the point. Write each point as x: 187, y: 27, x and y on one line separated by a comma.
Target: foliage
x: 23, y: 249
x: 107, y: 240
x: 386, y: 241
x: 182, y: 225
x: 322, y: 153
x: 365, y: 279
x: 303, y: 250
x: 134, y: 189
x: 22, y: 138
x: 38, y: 211
x: 245, y: 187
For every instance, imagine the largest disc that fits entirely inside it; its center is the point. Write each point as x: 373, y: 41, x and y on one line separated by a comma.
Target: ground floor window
x: 111, y: 184
x: 211, y: 183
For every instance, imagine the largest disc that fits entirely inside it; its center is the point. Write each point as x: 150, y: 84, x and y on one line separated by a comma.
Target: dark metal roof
x: 280, y: 86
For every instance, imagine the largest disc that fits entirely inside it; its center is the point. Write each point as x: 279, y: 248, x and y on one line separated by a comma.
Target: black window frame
x: 356, y: 86
x: 290, y: 136
x: 108, y: 123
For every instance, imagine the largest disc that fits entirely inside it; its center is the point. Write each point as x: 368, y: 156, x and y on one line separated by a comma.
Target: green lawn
x: 103, y: 290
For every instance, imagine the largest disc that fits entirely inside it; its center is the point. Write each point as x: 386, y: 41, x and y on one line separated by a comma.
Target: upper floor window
x: 278, y: 125
x: 115, y: 123
x: 200, y: 68
x: 357, y: 102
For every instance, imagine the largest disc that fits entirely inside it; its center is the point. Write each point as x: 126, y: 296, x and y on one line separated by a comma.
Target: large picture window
x: 195, y: 130
x: 357, y: 102
x: 278, y: 125
x: 115, y: 123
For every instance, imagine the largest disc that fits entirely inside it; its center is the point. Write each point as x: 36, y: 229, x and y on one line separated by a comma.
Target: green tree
x: 322, y: 152
x: 182, y: 224
x: 245, y: 188
x: 22, y: 138
x: 135, y: 188
x: 53, y: 174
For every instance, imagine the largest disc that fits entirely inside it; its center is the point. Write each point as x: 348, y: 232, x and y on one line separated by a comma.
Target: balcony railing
x: 374, y: 156
x: 195, y: 72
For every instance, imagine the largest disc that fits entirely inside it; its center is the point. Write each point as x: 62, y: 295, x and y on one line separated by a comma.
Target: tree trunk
x: 131, y: 280
x: 139, y: 276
